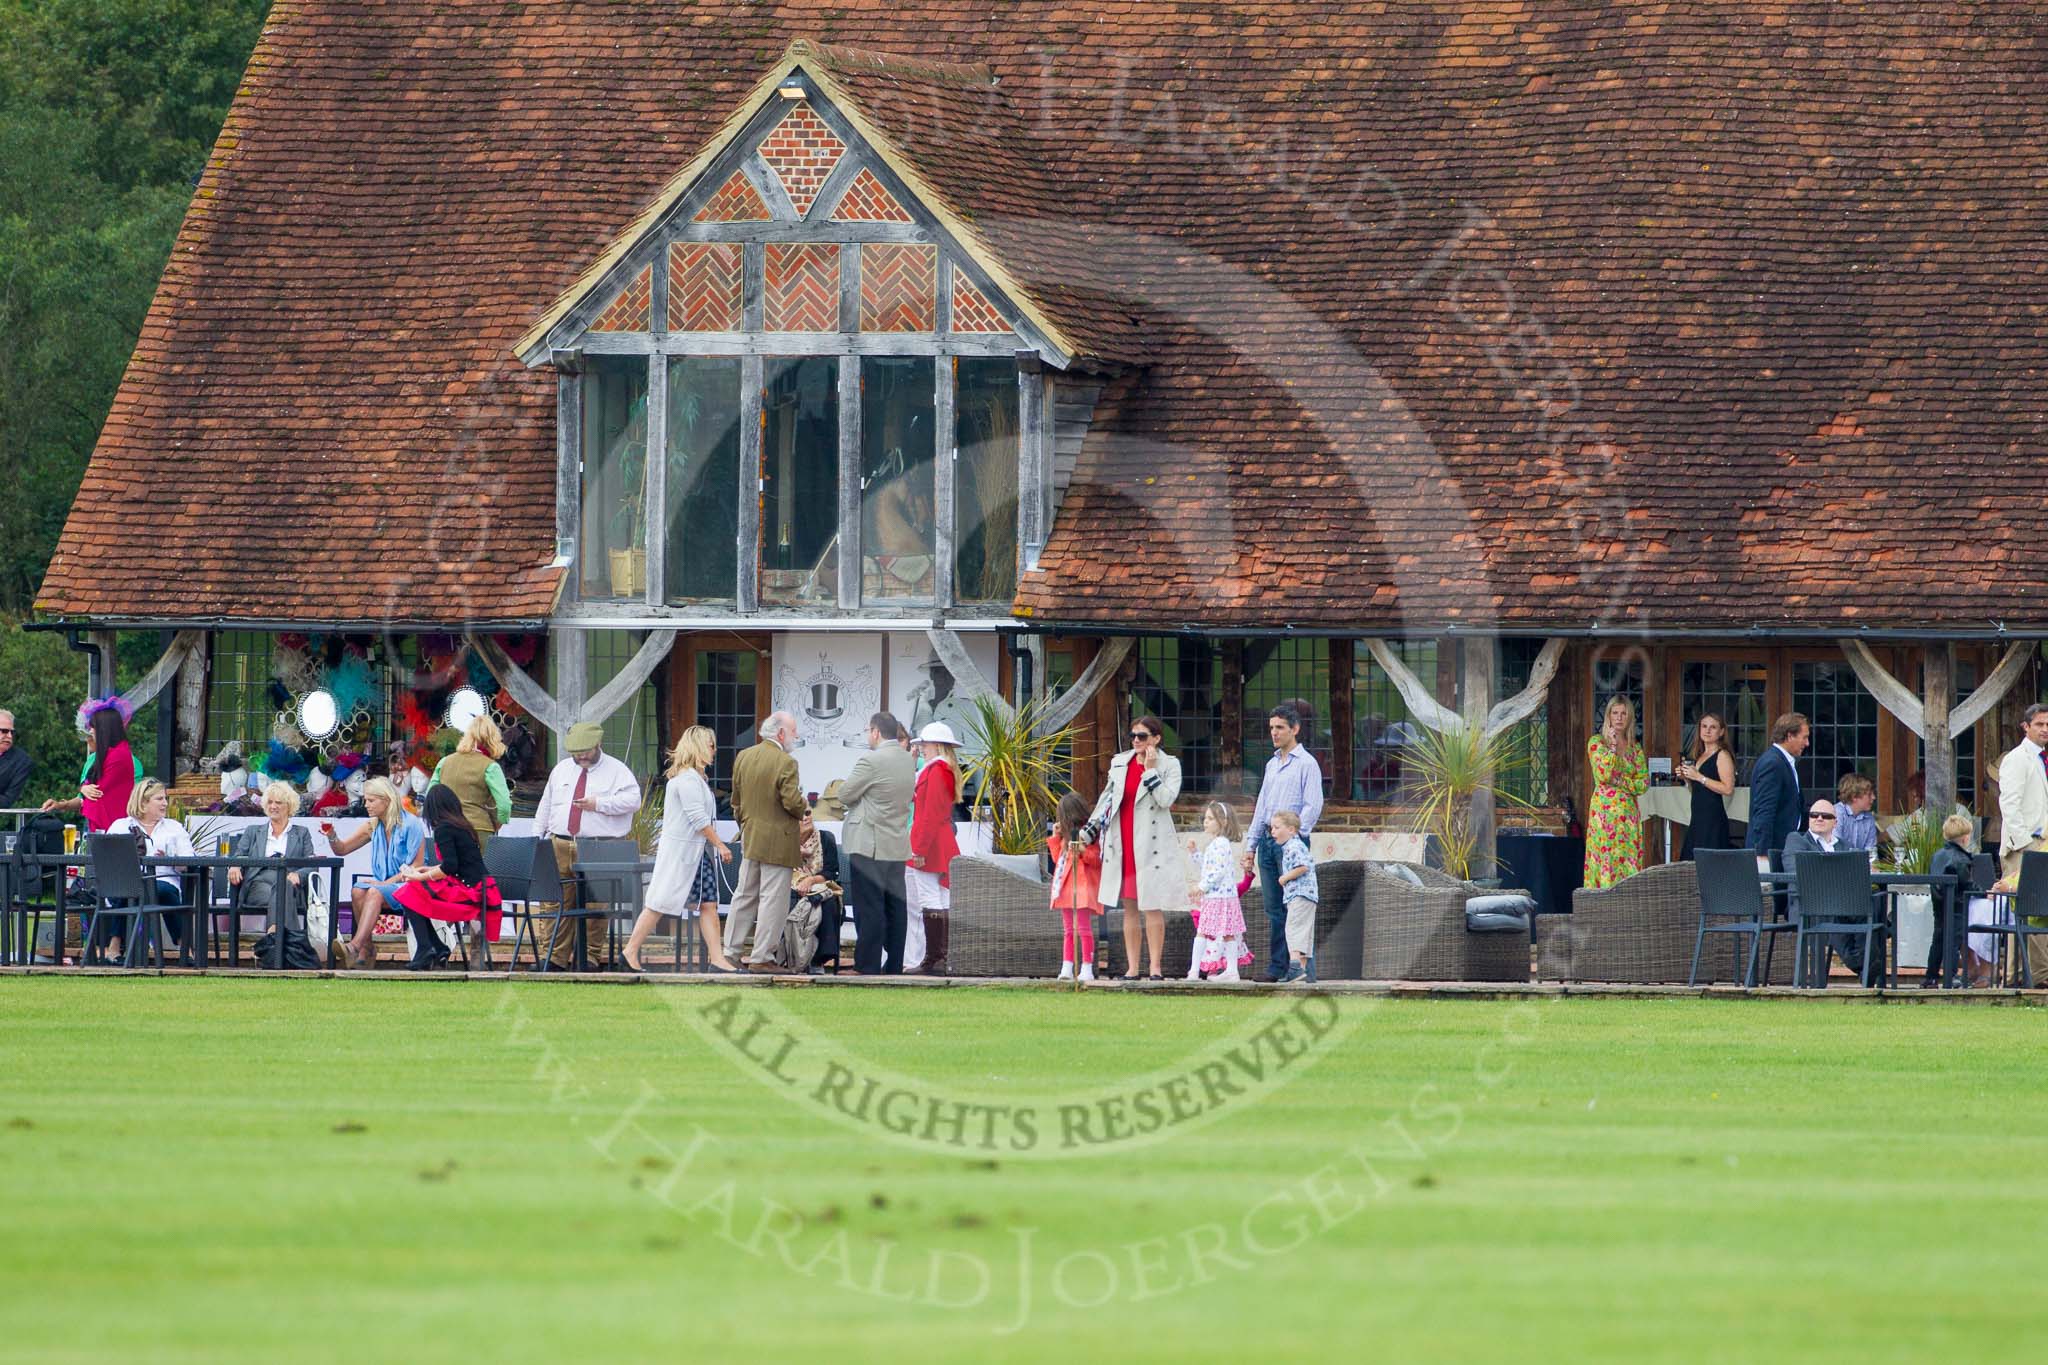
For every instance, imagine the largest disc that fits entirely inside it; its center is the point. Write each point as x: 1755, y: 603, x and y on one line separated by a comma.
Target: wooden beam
x: 183, y: 645
x: 747, y: 591
x: 998, y: 345
x: 191, y: 704
x: 626, y: 685
x: 1478, y: 660
x: 814, y: 230
x: 1066, y: 708
x: 654, y: 482
x: 1423, y: 706
x: 1504, y: 716
x: 850, y: 483
x: 1937, y: 690
x: 2000, y: 681
x: 945, y: 458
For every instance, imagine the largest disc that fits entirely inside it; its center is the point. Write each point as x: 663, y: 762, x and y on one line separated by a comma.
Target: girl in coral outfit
x: 1076, y: 889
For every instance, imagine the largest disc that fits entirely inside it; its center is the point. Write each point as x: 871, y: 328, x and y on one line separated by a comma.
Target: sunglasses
x: 6, y: 729
x: 1138, y: 736
x: 1820, y: 815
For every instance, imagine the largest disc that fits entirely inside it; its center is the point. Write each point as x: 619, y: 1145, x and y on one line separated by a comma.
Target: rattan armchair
x: 1418, y: 933
x: 1641, y: 930
x: 1003, y: 923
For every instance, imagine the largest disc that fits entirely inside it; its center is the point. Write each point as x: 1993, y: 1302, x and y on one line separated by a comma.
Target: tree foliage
x: 107, y: 111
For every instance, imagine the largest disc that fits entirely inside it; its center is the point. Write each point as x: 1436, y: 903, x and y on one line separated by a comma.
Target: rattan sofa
x: 1641, y: 930
x: 1002, y: 923
x: 1418, y: 933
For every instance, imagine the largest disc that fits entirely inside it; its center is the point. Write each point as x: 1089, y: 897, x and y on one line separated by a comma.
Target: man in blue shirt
x: 1293, y: 782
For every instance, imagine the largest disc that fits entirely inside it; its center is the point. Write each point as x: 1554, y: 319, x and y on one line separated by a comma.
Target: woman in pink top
x: 110, y: 775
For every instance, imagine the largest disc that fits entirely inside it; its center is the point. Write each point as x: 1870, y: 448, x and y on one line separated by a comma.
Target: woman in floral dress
x: 1614, y: 825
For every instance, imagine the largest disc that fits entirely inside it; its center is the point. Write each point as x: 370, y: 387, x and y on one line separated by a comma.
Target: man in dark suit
x: 1775, y: 806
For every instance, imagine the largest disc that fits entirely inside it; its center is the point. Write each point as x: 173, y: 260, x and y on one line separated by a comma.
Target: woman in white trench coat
x: 684, y: 879
x: 1144, y: 869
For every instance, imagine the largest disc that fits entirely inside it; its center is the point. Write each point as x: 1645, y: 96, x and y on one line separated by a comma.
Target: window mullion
x: 946, y: 436
x: 749, y: 491
x: 654, y: 481
x: 849, y: 482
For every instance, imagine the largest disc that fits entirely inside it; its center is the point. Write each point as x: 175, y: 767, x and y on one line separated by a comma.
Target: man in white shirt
x: 2023, y: 811
x: 590, y: 795
x: 2023, y: 792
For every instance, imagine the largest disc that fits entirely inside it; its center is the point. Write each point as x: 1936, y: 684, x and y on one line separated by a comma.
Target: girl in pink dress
x: 1220, y: 949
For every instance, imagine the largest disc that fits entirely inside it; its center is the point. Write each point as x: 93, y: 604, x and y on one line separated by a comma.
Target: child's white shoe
x: 1087, y: 971
x: 1066, y: 971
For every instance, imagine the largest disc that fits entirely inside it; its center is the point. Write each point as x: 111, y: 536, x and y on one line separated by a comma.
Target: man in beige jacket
x: 2023, y: 812
x: 876, y: 841
x: 768, y: 803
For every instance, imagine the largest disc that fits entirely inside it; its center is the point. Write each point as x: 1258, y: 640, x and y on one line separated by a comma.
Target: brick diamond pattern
x: 867, y: 200
x: 704, y: 286
x: 972, y: 312
x: 630, y: 311
x: 802, y: 287
x: 802, y: 151
x: 898, y: 288
x: 737, y: 201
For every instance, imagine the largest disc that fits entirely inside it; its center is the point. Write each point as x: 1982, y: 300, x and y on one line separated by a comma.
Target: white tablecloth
x: 1675, y: 804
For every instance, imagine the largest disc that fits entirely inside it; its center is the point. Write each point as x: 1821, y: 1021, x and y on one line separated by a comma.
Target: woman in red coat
x: 932, y: 849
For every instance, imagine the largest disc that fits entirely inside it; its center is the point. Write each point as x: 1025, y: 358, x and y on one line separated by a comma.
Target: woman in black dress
x: 1710, y: 772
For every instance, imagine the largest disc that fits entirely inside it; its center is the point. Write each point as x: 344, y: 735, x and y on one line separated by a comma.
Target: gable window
x: 800, y: 481
x: 798, y: 391
x: 985, y: 479
x: 899, y: 523
x: 703, y: 485
x: 614, y: 527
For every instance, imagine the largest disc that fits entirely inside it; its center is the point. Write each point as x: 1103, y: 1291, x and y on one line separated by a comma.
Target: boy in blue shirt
x: 1298, y: 887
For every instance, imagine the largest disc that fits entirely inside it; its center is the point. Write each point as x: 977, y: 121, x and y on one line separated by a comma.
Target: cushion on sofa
x: 1501, y: 914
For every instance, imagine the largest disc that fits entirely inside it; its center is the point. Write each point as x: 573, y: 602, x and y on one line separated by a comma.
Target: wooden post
x: 191, y: 704
x: 1231, y: 779
x: 1937, y: 692
x: 1477, y: 657
x: 1343, y: 762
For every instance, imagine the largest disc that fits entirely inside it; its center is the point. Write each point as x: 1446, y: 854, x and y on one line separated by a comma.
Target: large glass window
x: 703, y: 486
x: 1286, y: 670
x: 1381, y: 726
x: 1619, y: 675
x: 800, y: 481
x: 614, y: 531
x: 238, y: 701
x: 985, y: 481
x: 1844, y: 718
x: 1180, y: 680
x: 1737, y: 693
x: 1527, y: 745
x: 898, y: 523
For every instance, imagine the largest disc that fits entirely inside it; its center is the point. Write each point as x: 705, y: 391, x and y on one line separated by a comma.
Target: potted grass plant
x: 1014, y: 771
x: 1446, y: 775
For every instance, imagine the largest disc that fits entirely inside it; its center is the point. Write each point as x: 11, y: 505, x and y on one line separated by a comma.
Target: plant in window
x: 626, y: 533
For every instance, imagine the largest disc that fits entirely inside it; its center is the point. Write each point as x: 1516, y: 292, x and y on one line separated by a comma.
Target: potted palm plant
x: 1013, y: 771
x: 1443, y: 773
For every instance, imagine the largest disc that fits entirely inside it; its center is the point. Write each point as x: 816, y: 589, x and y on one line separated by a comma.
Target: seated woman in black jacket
x: 457, y: 890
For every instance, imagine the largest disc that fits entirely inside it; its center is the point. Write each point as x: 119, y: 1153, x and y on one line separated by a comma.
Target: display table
x: 1548, y: 866
x: 1675, y: 804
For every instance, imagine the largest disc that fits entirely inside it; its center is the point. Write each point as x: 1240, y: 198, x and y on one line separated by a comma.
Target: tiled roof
x: 1507, y: 314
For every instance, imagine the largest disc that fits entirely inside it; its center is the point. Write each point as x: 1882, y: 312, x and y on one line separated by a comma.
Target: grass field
x: 220, y: 1169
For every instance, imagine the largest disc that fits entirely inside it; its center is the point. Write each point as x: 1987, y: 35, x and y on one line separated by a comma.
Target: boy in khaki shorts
x: 1298, y: 886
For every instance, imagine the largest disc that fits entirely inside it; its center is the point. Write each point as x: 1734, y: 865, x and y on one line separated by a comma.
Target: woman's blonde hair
x: 695, y: 748
x: 394, y: 808
x: 948, y: 754
x: 482, y: 737
x: 291, y: 796
x: 139, y: 798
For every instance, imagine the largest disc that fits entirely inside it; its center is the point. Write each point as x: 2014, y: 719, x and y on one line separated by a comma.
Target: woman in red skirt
x: 457, y: 891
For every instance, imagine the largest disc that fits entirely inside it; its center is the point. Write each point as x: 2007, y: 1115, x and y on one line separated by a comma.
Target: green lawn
x: 232, y: 1169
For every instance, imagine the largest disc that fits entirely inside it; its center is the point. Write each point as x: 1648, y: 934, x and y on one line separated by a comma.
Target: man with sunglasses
x: 1822, y: 835
x: 15, y: 764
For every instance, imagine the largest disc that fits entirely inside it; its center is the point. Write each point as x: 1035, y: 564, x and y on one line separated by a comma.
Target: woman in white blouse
x: 684, y: 881
x: 149, y: 807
